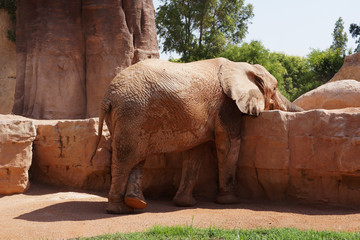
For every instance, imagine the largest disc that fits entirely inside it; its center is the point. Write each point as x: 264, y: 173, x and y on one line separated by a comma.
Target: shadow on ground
x: 85, y: 209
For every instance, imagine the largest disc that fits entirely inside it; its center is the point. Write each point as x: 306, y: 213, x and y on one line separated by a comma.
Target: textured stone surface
x: 350, y: 69
x: 129, y: 38
x: 311, y: 156
x: 64, y: 66
x: 325, y: 150
x: 62, y: 152
x: 332, y: 95
x: 16, y: 138
x: 7, y: 65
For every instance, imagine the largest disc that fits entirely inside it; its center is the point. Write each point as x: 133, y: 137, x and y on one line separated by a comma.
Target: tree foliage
x: 200, y: 29
x: 355, y: 33
x: 339, y: 37
x: 324, y: 64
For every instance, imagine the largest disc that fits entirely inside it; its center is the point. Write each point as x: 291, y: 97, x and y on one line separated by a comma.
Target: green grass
x: 189, y: 232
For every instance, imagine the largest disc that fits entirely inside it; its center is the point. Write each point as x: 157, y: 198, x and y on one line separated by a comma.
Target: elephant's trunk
x: 295, y: 108
x: 290, y: 107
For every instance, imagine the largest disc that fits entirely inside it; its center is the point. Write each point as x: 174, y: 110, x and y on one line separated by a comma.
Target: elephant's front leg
x: 228, y: 148
x: 192, y: 160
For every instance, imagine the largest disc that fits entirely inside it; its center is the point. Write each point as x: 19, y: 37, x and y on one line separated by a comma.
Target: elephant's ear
x: 240, y: 82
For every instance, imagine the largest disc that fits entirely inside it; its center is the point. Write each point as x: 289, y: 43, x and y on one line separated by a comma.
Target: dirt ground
x: 46, y: 212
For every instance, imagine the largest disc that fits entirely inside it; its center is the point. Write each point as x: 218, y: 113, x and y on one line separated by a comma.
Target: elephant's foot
x: 118, y: 208
x: 135, y: 202
x: 227, y: 198
x: 134, y: 197
x: 184, y: 201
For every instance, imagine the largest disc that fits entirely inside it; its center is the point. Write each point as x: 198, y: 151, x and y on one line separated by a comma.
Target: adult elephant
x: 156, y: 107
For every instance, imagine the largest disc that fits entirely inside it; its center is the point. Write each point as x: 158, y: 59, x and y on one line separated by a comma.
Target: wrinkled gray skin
x: 156, y: 107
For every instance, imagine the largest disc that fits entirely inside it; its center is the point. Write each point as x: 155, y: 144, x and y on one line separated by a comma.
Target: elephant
x: 157, y: 107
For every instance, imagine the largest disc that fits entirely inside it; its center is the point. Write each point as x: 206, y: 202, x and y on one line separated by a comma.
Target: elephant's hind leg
x: 134, y: 196
x: 116, y: 204
x: 125, y: 157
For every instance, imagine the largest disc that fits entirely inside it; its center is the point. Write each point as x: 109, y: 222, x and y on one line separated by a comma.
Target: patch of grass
x: 191, y: 233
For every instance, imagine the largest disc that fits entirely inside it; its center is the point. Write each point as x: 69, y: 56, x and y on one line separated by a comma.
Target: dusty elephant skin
x: 156, y: 107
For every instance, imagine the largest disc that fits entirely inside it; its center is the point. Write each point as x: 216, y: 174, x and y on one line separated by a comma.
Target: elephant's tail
x: 105, y: 108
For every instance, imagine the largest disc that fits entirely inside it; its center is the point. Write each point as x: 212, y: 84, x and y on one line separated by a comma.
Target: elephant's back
x: 172, y: 88
x: 153, y: 75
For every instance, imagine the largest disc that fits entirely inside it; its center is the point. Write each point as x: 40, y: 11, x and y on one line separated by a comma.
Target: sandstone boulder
x: 64, y: 66
x: 16, y: 138
x: 324, y: 156
x: 350, y: 69
x: 332, y: 95
x: 7, y: 65
x: 62, y: 152
x: 310, y: 156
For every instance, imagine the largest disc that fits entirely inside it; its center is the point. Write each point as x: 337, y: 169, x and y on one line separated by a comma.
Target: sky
x: 295, y: 27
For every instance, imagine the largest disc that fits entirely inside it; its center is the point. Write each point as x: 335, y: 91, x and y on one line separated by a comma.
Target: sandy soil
x: 50, y: 213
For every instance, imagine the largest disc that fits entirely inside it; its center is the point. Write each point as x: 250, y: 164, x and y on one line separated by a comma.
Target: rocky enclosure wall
x: 311, y: 156
x: 16, y: 140
x: 7, y: 65
x: 67, y: 52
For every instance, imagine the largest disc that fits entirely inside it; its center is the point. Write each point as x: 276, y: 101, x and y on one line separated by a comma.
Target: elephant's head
x: 253, y: 88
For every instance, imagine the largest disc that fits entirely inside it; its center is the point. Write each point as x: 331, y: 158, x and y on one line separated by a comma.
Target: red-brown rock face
x: 332, y: 95
x: 16, y: 140
x: 311, y: 155
x: 350, y: 69
x: 7, y: 65
x: 68, y: 52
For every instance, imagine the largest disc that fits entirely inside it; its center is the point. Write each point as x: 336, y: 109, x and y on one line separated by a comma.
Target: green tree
x: 10, y: 7
x: 296, y: 75
x: 355, y: 33
x: 339, y: 37
x: 200, y: 29
x: 324, y: 65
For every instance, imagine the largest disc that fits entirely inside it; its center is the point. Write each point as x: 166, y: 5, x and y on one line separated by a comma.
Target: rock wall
x: 69, y: 51
x: 7, y: 65
x: 16, y: 139
x: 350, y: 69
x: 311, y: 156
x: 332, y: 95
x: 62, y: 152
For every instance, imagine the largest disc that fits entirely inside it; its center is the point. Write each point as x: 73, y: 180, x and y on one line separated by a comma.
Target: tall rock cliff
x: 350, y: 69
x: 7, y: 65
x: 69, y: 51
